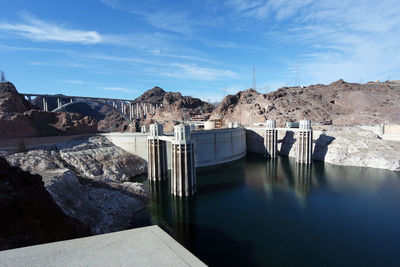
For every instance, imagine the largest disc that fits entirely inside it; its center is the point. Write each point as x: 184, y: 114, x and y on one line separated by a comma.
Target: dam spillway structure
x: 304, y: 142
x: 157, y: 154
x: 271, y: 140
x: 183, y: 171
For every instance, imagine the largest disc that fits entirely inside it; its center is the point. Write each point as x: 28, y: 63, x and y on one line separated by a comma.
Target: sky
x: 202, y: 48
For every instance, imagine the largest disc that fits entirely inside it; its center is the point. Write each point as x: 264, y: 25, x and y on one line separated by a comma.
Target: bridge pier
x: 156, y: 154
x: 45, y: 107
x: 123, y: 108
x: 130, y: 111
x: 271, y: 140
x: 304, y: 142
x: 183, y: 171
x: 59, y: 102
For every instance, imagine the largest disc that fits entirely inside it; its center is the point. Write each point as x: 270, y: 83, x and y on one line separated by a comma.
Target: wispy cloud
x: 353, y: 40
x: 160, y: 16
x: 118, y: 89
x: 74, y: 81
x: 192, y: 71
x: 39, y: 30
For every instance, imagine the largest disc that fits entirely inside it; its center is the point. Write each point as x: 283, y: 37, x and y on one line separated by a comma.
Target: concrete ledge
x: 147, y: 246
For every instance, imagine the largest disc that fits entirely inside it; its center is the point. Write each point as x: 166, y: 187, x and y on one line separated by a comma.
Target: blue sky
x: 203, y: 48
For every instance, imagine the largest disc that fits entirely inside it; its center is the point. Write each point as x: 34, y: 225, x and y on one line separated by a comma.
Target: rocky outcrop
x: 19, y: 118
x: 29, y: 215
x: 36, y: 123
x: 339, y: 103
x: 352, y: 146
x: 88, y: 178
x: 11, y: 101
x: 174, y: 108
x: 156, y: 94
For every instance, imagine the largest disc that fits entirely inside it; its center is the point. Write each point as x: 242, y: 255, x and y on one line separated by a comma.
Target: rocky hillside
x: 175, y: 107
x: 108, y: 119
x: 339, y: 103
x: 19, y: 118
x: 29, y: 215
x: 88, y: 179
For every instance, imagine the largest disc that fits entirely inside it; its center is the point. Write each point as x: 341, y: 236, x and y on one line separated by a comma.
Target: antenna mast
x: 254, y: 78
x: 3, y: 77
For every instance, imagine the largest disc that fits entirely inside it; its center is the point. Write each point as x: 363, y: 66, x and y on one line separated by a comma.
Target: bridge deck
x: 90, y: 98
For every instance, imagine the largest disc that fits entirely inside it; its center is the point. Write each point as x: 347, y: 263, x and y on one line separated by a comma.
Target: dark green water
x: 258, y: 212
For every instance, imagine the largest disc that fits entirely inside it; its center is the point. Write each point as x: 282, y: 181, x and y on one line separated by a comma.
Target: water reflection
x: 279, y: 174
x: 174, y: 214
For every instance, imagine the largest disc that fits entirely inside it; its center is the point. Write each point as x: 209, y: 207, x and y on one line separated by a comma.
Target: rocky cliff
x: 89, y: 179
x: 29, y: 215
x: 339, y: 103
x: 19, y: 118
x: 175, y: 107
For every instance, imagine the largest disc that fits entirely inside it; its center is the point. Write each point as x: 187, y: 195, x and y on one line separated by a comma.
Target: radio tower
x: 254, y: 78
x: 3, y: 76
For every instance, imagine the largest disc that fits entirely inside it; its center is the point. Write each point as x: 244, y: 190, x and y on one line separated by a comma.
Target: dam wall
x: 286, y: 140
x: 211, y: 147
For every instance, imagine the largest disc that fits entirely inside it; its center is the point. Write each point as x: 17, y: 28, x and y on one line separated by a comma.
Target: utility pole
x: 254, y: 78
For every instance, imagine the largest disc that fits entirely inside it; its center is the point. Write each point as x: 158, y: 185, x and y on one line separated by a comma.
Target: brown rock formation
x: 29, y: 215
x: 19, y: 118
x: 11, y: 101
x: 339, y: 103
x: 175, y: 107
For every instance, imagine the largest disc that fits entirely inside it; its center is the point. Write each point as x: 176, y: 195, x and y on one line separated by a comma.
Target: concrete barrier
x: 146, y: 246
x: 22, y: 143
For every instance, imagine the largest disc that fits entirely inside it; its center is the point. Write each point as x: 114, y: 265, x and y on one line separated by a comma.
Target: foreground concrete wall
x: 146, y: 246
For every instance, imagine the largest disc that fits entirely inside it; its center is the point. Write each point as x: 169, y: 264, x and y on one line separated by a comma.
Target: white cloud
x: 192, y: 71
x: 118, y: 89
x: 74, y: 81
x: 39, y: 30
x: 354, y: 40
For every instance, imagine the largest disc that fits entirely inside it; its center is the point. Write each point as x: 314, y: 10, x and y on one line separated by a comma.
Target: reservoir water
x: 254, y: 212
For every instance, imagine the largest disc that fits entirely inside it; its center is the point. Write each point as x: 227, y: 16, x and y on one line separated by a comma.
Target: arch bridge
x: 129, y: 109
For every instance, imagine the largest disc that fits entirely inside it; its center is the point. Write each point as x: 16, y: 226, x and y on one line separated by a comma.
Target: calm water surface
x: 258, y: 212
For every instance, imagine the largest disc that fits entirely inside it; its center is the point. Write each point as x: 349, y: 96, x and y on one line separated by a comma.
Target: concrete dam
x: 185, y: 150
